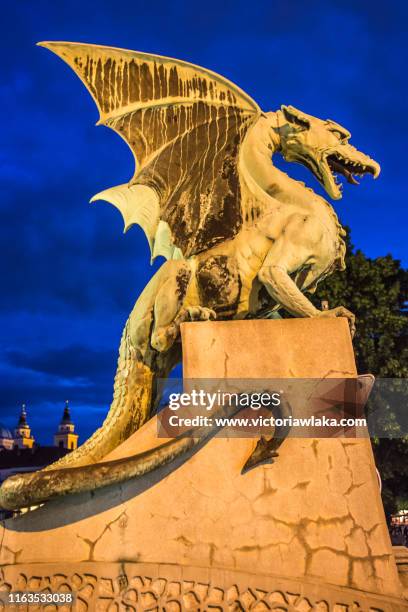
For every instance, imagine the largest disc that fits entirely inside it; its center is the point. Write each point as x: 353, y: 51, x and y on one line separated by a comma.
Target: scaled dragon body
x: 241, y: 237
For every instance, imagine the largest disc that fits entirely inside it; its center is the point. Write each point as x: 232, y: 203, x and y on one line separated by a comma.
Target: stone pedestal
x: 305, y: 533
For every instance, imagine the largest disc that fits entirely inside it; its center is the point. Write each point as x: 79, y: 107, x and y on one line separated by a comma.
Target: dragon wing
x: 184, y: 125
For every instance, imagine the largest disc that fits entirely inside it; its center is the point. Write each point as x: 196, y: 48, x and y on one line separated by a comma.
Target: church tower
x: 66, y: 436
x: 22, y: 433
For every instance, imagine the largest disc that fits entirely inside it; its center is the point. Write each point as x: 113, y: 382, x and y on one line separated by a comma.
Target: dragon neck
x: 272, y: 186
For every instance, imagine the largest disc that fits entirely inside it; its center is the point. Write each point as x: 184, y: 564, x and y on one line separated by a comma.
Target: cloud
x: 74, y: 361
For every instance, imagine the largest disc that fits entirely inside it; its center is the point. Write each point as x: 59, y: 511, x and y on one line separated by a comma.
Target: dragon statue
x: 242, y: 239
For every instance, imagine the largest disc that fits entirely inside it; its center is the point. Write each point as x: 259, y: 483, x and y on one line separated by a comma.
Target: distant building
x: 22, y: 433
x: 401, y: 518
x: 66, y: 436
x: 21, y: 453
x: 6, y: 439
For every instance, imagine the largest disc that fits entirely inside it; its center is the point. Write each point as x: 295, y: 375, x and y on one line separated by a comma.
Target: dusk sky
x: 70, y: 277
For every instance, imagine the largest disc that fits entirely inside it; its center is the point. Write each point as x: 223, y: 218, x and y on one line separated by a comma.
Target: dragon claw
x: 266, y: 450
x: 263, y: 451
x: 200, y: 313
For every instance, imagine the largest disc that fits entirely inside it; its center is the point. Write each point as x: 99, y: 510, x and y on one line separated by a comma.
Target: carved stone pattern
x: 144, y: 594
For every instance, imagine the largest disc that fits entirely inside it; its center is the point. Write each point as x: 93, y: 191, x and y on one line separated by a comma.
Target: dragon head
x: 323, y: 147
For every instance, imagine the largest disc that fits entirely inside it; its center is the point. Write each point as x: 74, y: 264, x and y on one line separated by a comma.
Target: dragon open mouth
x: 348, y: 168
x: 334, y: 164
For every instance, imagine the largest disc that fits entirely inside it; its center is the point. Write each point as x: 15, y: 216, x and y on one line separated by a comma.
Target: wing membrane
x: 184, y: 125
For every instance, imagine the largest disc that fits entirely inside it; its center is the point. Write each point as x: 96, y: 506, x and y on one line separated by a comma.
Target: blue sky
x: 69, y: 275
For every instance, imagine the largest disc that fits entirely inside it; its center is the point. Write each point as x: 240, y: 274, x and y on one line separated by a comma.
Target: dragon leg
x: 171, y: 308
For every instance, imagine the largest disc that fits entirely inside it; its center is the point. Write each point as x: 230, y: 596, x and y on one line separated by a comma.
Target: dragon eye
x: 340, y: 135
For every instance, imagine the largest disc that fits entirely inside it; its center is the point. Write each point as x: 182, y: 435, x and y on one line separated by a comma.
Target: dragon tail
x: 130, y: 409
x: 25, y: 490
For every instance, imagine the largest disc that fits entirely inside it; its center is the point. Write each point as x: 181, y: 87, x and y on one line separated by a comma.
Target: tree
x: 376, y: 291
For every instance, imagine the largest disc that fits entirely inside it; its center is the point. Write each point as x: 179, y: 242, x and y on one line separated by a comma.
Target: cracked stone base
x: 305, y: 533
x: 145, y: 587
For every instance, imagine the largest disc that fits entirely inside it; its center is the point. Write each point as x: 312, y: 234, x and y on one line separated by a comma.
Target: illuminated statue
x: 241, y: 237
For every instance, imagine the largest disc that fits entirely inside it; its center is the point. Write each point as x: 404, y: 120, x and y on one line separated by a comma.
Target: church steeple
x: 22, y: 421
x: 66, y: 436
x: 22, y: 433
x: 66, y: 417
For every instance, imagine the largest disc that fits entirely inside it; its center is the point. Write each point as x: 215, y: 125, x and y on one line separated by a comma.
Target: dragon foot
x: 200, y: 313
x: 164, y: 337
